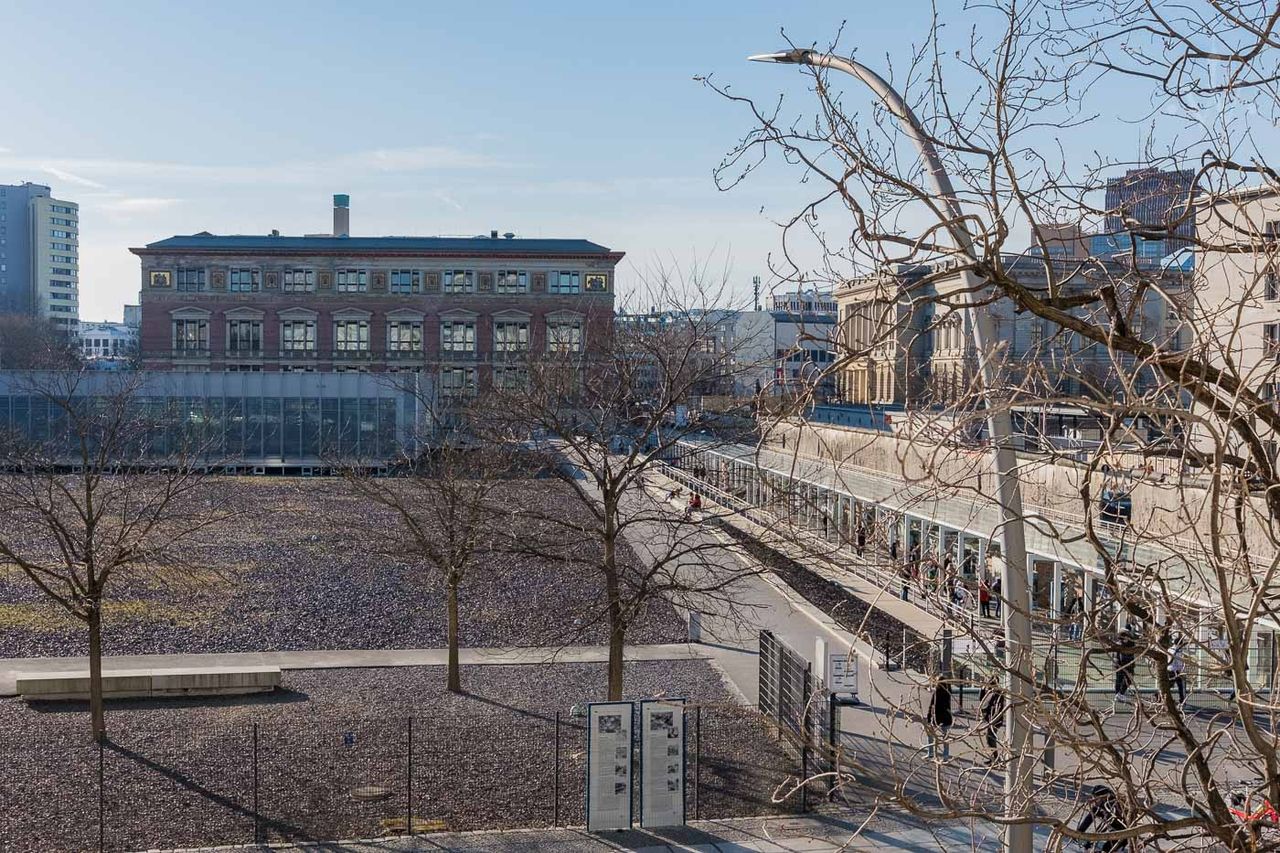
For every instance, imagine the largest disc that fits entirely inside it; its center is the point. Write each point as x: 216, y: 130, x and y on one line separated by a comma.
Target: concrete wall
x: 1166, y: 504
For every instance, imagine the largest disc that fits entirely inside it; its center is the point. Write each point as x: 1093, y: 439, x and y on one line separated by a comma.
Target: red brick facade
x: 215, y: 305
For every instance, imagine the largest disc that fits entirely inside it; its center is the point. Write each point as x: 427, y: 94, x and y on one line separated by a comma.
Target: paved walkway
x: 11, y: 668
x: 809, y: 834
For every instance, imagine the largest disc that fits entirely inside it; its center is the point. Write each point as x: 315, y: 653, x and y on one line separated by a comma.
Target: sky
x: 564, y: 119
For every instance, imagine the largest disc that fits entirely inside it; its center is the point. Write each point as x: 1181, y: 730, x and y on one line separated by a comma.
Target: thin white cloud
x: 92, y: 173
x: 136, y: 204
x: 70, y: 178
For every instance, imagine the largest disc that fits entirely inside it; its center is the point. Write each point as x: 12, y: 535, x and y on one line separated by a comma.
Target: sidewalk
x: 808, y: 834
x: 11, y: 668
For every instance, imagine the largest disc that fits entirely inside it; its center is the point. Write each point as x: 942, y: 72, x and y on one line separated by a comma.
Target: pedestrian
x: 960, y: 595
x: 996, y: 585
x: 1178, y: 668
x: 893, y: 550
x: 1124, y: 661
x: 938, y: 719
x: 1075, y: 613
x: 991, y: 711
x: 984, y: 598
x: 860, y: 540
x: 1101, y: 814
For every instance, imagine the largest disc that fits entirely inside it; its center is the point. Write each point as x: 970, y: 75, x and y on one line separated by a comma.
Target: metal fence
x: 325, y: 779
x: 798, y: 706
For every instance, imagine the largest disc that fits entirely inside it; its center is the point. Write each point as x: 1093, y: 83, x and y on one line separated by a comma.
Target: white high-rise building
x: 39, y: 254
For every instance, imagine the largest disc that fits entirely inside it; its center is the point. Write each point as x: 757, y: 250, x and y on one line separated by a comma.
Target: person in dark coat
x: 1102, y: 814
x: 938, y: 719
x: 991, y: 710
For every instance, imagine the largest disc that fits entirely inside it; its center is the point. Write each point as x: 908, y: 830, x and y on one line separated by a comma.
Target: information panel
x: 609, y: 765
x: 662, y: 762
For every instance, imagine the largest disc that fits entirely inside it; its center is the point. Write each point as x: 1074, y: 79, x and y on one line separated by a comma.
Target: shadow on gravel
x: 280, y: 696
x: 188, y: 784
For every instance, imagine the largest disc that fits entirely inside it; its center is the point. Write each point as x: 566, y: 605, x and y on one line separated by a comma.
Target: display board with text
x: 609, y: 765
x: 662, y: 763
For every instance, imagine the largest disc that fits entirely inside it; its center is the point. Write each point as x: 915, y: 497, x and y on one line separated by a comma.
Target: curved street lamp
x: 1019, y: 779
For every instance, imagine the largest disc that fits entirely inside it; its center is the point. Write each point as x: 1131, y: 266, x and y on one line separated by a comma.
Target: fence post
x: 102, y: 803
x: 555, y: 802
x: 409, y: 781
x: 697, y: 770
x: 257, y: 815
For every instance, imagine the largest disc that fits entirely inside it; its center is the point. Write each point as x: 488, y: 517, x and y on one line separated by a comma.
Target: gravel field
x: 295, y: 572
x: 182, y: 774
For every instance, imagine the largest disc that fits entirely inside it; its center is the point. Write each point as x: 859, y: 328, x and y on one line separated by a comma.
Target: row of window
x: 403, y: 336
x: 402, y: 281
x: 59, y: 234
x: 62, y: 208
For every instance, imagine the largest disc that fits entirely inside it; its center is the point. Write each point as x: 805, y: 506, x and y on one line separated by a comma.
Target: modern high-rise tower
x: 39, y: 254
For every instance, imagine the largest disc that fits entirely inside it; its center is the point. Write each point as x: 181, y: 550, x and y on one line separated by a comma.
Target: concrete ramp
x: 149, y: 683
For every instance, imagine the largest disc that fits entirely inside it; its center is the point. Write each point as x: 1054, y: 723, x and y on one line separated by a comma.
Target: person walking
x: 860, y: 540
x: 1102, y: 814
x: 991, y: 712
x: 938, y: 719
x: 984, y: 598
x: 1178, y: 669
x: 1124, y: 662
x: 1075, y: 614
x: 996, y: 585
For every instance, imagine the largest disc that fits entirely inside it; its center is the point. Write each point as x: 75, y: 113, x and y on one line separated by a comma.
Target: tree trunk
x: 96, y: 717
x: 455, y: 677
x: 617, y: 633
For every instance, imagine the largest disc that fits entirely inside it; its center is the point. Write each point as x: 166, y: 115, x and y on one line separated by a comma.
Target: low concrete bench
x: 149, y: 683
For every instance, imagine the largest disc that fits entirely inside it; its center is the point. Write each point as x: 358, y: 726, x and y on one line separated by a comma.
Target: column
x: 1055, y: 594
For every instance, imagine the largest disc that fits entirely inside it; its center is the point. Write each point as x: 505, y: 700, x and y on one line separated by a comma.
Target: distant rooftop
x: 435, y: 245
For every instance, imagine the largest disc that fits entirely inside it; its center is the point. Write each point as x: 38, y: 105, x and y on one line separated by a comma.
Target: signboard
x: 609, y: 765
x: 662, y: 755
x: 842, y: 673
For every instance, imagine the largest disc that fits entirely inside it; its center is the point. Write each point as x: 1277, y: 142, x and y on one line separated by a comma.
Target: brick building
x: 461, y: 306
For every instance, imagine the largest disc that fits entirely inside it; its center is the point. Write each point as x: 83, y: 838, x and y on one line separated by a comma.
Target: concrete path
x: 11, y: 668
x: 809, y: 834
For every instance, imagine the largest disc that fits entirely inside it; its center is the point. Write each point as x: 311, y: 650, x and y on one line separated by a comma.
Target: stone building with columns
x: 906, y: 341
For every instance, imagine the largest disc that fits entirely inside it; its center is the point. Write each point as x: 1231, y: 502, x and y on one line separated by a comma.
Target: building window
x: 299, y: 281
x: 458, y: 336
x: 565, y: 282
x: 458, y: 381
x: 511, y: 281
x: 1271, y: 286
x: 244, y: 337
x: 404, y: 336
x: 298, y: 336
x: 351, y: 336
x: 459, y: 281
x: 191, y: 336
x: 244, y: 281
x: 353, y: 281
x: 511, y: 336
x: 59, y: 234
x: 510, y: 377
x: 406, y: 281
x: 1271, y: 340
x: 191, y: 279
x: 564, y: 336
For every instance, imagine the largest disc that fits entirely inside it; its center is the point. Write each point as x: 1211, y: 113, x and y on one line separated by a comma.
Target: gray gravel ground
x: 297, y: 573
x: 181, y: 774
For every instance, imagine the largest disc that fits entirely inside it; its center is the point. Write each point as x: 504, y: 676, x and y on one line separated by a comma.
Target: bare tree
x: 445, y: 493
x: 602, y: 415
x: 1169, y: 496
x: 32, y: 343
x: 99, y: 492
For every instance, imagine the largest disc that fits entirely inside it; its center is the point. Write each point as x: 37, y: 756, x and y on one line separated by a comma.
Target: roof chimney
x: 342, y: 215
x: 493, y: 235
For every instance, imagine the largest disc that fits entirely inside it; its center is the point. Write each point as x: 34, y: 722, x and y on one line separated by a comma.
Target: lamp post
x: 1019, y: 782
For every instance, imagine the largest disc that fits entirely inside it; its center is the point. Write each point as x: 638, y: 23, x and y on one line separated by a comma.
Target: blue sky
x: 547, y: 119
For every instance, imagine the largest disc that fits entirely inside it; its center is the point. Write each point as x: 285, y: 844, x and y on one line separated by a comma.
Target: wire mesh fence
x: 324, y: 779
